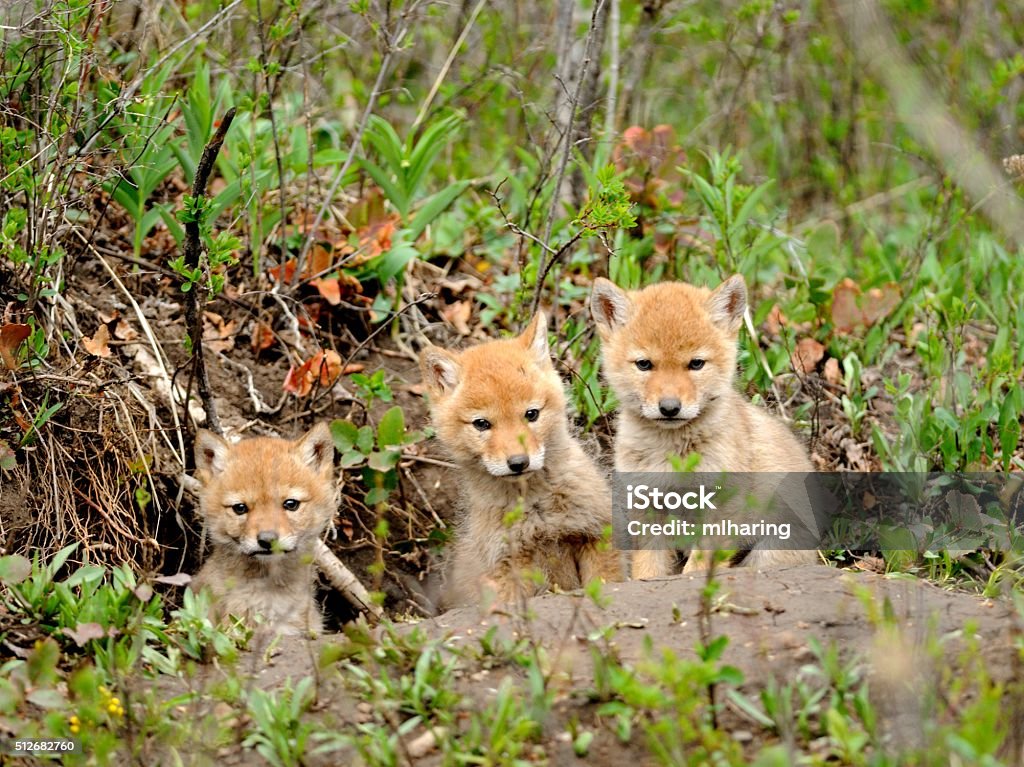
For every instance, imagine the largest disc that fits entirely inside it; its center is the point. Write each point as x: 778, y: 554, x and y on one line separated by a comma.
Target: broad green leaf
x: 391, y: 429
x: 364, y: 442
x: 344, y: 433
x: 376, y: 495
x: 84, y: 574
x: 383, y: 460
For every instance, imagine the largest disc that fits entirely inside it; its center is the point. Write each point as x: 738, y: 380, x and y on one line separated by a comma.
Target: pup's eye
x: 290, y: 504
x: 481, y: 424
x: 240, y: 509
x: 532, y: 414
x: 644, y: 365
x: 696, y: 364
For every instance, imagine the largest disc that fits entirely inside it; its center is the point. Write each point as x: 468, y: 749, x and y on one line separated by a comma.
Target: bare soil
x: 770, y: 618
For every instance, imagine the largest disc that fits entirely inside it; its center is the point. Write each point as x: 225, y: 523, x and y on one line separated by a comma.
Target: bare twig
x: 193, y: 248
x: 391, y: 45
x: 447, y: 65
x: 564, y: 160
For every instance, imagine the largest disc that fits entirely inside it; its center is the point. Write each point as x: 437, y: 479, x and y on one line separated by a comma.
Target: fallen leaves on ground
x: 218, y: 333
x: 96, y: 345
x: 852, y: 308
x: 807, y: 355
x: 11, y: 337
x: 323, y: 369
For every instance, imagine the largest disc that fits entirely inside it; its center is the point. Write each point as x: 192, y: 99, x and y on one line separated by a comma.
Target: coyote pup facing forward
x: 265, y: 503
x: 669, y: 354
x: 534, y: 502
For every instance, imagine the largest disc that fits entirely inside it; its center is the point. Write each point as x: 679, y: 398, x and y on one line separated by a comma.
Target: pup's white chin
x: 670, y: 423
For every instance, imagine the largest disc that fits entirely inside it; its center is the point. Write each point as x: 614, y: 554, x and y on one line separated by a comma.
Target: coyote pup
x: 534, y: 502
x: 669, y: 354
x: 265, y: 502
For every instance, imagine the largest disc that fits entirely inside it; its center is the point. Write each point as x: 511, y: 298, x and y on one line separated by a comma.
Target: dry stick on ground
x: 342, y: 579
x: 193, y: 247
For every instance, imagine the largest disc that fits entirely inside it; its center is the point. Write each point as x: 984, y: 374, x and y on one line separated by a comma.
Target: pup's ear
x: 211, y: 454
x: 316, y: 448
x: 535, y: 338
x: 609, y: 306
x: 440, y: 370
x: 728, y: 303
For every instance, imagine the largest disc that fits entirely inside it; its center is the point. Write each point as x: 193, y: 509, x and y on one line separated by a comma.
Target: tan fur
x: 670, y: 324
x: 245, y: 578
x: 565, y: 502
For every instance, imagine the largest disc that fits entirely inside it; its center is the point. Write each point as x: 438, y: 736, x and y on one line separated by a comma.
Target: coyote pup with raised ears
x: 536, y: 508
x: 265, y: 502
x: 669, y: 354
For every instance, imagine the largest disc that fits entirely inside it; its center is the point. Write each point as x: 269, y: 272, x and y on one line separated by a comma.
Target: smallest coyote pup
x: 533, y: 501
x: 265, y: 502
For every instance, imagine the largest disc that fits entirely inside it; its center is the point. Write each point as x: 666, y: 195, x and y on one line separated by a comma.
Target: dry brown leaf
x: 457, y: 315
x: 852, y: 309
x: 97, y: 345
x: 831, y: 372
x: 11, y: 337
x: 329, y: 289
x: 879, y: 302
x: 322, y: 368
x: 320, y: 260
x: 83, y: 632
x: 775, y: 320
x: 218, y: 334
x: 807, y: 355
x: 846, y: 314
x: 262, y: 337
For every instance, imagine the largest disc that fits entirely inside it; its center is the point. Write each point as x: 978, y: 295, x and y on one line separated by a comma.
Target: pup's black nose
x: 518, y: 463
x: 266, y: 538
x: 670, y: 407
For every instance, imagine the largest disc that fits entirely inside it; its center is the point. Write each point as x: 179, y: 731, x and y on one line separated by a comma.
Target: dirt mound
x: 900, y: 631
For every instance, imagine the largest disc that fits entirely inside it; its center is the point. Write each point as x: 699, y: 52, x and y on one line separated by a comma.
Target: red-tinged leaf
x: 296, y: 381
x: 353, y: 367
x: 11, y: 337
x: 262, y: 337
x: 178, y: 579
x: 807, y: 355
x: 323, y: 369
x: 97, y: 345
x: 289, y: 271
x: 328, y: 366
x: 329, y: 289
x: 309, y: 317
